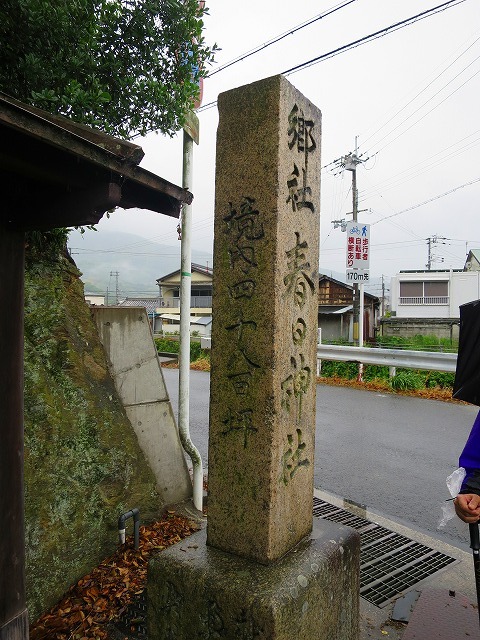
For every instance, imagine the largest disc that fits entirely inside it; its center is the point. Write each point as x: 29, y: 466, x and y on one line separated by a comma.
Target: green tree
x: 124, y: 66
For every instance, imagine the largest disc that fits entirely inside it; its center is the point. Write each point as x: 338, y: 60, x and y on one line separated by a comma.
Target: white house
x: 428, y: 302
x: 202, y: 326
x: 96, y: 299
x: 433, y: 294
x: 201, y: 291
x: 473, y: 260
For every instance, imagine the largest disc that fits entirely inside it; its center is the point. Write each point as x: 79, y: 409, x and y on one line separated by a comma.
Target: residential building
x: 200, y: 300
x: 335, y: 311
x: 473, y: 260
x: 428, y: 302
x: 152, y: 307
x: 201, y: 291
x: 199, y: 325
x: 96, y: 299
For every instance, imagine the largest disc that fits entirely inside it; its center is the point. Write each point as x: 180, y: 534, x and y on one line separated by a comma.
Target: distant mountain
x: 138, y: 262
x: 100, y: 255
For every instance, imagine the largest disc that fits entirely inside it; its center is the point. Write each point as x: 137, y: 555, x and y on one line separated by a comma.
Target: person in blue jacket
x: 467, y: 503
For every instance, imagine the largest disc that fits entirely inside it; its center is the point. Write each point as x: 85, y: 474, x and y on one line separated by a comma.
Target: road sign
x: 192, y: 126
x: 357, y: 275
x: 358, y: 245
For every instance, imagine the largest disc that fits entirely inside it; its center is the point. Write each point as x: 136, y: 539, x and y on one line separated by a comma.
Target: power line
x: 419, y: 168
x: 420, y: 204
x: 129, y: 253
x: 356, y: 43
x: 420, y: 92
x: 428, y: 112
x: 374, y: 36
x: 276, y: 39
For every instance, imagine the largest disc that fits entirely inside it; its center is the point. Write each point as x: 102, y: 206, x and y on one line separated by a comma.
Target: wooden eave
x: 57, y: 173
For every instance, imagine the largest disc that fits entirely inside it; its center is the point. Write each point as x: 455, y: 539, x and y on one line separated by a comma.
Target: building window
x: 424, y: 292
x: 205, y: 291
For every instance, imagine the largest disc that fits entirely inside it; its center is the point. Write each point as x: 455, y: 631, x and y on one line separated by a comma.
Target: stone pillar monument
x: 265, y: 307
x: 261, y: 571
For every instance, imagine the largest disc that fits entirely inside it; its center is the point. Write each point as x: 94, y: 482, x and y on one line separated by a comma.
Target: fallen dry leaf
x: 103, y: 595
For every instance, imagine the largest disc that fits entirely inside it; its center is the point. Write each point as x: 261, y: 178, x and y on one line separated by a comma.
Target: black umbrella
x: 467, y: 387
x: 475, y: 546
x: 467, y: 375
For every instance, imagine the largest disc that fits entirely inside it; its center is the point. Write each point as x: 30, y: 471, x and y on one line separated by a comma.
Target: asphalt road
x: 389, y: 453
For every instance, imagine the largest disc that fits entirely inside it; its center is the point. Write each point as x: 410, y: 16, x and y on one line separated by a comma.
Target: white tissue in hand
x: 454, y: 484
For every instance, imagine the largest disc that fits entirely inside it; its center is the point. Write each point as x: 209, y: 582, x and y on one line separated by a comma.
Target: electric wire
x: 420, y: 204
x: 401, y: 177
x: 364, y: 142
x: 373, y: 36
x: 276, y: 39
x: 356, y: 43
x: 428, y: 112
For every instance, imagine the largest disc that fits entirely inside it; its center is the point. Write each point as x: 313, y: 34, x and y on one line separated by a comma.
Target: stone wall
x: 83, y: 465
x: 409, y: 327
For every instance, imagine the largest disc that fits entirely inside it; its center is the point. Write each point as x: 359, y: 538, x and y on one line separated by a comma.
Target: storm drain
x: 389, y: 562
x: 132, y: 623
x: 389, y: 565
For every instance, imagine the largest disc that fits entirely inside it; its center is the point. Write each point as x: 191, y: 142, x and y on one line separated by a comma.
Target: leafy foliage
x: 407, y: 380
x: 332, y: 368
x: 45, y: 245
x: 124, y: 66
x: 166, y: 345
x: 375, y: 372
x: 440, y: 379
x: 418, y: 343
x: 102, y: 595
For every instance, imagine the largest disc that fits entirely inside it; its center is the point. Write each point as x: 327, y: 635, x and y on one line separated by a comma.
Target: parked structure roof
x: 207, y: 271
x: 150, y: 304
x: 64, y: 174
x: 56, y: 173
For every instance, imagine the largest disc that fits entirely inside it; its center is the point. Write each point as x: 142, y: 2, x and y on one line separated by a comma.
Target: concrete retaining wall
x: 128, y: 342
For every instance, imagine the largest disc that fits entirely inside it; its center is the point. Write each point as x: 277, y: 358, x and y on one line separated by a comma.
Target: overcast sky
x: 411, y: 98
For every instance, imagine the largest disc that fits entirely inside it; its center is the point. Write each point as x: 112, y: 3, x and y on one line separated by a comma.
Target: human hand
x: 467, y: 507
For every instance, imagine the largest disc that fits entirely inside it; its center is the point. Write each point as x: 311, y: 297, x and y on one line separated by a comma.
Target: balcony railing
x: 196, y: 302
x: 424, y: 300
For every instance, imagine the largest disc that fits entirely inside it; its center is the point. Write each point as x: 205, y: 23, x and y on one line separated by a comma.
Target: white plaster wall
x: 464, y: 286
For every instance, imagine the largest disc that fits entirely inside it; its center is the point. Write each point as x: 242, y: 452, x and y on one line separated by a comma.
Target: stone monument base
x: 312, y: 593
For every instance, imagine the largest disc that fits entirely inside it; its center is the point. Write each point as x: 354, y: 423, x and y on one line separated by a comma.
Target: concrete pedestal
x: 195, y: 591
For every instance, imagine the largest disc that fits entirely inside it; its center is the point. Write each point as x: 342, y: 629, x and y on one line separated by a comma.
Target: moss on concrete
x: 83, y: 465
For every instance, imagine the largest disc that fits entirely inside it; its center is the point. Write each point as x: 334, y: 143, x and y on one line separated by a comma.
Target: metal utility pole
x: 350, y: 163
x: 383, y: 298
x: 190, y: 135
x: 117, y: 292
x: 431, y: 258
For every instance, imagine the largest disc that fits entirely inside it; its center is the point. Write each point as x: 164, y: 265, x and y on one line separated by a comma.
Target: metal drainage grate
x: 389, y: 562
x: 132, y: 624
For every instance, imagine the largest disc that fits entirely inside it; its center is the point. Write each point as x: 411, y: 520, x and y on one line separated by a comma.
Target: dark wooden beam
x: 75, y: 209
x: 87, y: 155
x: 13, y: 615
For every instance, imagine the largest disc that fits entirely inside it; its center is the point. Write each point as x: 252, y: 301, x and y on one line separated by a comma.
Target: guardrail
x: 428, y: 360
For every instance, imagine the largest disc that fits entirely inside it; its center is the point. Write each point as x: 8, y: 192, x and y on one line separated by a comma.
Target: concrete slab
x: 196, y: 591
x: 443, y: 615
x: 404, y: 606
x: 127, y: 339
x: 377, y: 623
